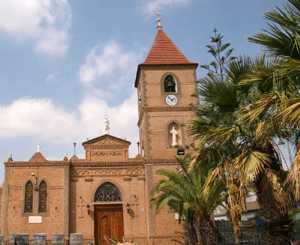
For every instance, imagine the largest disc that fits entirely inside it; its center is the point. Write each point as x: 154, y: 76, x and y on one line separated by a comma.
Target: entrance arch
x: 108, y: 215
x: 107, y: 192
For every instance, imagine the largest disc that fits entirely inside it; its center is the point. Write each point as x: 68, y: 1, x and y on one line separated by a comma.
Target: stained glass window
x: 170, y: 84
x: 28, y: 205
x: 43, y: 197
x: 107, y: 192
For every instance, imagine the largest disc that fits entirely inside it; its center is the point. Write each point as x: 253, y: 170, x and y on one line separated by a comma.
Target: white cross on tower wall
x: 174, y: 134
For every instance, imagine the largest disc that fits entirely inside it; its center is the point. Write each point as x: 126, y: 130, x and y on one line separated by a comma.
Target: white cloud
x: 34, y: 117
x: 109, y: 67
x: 43, y: 120
x: 150, y: 7
x: 123, y: 117
x: 47, y: 22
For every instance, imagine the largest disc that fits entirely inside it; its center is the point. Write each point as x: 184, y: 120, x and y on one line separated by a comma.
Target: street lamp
x: 36, y: 188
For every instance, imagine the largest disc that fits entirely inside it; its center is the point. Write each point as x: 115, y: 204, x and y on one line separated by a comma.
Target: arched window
x: 108, y: 192
x: 174, y: 135
x: 43, y: 197
x: 28, y: 200
x: 170, y: 85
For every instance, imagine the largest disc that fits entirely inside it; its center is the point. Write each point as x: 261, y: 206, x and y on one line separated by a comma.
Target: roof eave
x: 102, y: 136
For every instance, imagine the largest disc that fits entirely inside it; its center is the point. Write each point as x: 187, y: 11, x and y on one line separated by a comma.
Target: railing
x: 46, y: 242
x: 250, y: 235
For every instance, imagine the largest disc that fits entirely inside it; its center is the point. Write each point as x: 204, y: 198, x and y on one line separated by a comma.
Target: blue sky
x: 65, y: 64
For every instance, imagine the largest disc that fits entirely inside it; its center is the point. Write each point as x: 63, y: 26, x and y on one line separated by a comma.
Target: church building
x: 106, y: 195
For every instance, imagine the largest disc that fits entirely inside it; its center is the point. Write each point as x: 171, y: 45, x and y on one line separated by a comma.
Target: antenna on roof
x: 158, y: 20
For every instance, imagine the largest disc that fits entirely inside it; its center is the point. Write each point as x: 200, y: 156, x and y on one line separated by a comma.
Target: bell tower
x: 166, y: 83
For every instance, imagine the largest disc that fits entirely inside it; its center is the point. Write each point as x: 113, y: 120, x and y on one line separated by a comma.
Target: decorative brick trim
x: 22, y: 164
x: 92, y: 172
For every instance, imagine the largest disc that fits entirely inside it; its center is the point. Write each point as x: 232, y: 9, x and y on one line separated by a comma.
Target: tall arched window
x: 43, y: 197
x: 28, y: 200
x: 108, y: 192
x: 170, y: 85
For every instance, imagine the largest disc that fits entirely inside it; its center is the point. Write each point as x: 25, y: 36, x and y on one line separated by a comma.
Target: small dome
x: 74, y: 158
x: 37, y: 157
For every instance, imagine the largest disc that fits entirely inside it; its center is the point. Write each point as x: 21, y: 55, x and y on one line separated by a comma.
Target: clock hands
x: 171, y: 100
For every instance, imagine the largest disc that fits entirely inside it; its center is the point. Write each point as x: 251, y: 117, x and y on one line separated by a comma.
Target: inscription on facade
x: 35, y: 219
x: 106, y: 153
x: 108, y: 172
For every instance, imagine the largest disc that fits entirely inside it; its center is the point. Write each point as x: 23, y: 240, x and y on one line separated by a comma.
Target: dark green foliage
x: 222, y: 53
x: 184, y: 193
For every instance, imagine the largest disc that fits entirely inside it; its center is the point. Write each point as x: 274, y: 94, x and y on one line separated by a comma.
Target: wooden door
x: 108, y: 224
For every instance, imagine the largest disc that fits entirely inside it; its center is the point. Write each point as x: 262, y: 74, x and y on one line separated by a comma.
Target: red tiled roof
x: 164, y: 51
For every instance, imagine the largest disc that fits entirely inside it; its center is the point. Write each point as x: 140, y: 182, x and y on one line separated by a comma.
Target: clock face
x: 171, y: 100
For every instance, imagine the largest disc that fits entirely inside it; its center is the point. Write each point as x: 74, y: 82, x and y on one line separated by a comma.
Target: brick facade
x: 72, y: 183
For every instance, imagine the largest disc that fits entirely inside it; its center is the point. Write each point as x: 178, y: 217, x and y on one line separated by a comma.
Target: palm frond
x: 218, y: 93
x: 268, y: 103
x: 291, y: 113
x: 282, y: 36
x: 252, y: 164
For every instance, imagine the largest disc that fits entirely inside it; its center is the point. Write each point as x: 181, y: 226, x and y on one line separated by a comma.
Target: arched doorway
x: 108, y: 216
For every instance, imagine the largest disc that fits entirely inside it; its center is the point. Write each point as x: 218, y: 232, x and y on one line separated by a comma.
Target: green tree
x: 281, y: 100
x: 219, y: 100
x: 245, y: 154
x: 222, y: 53
x: 183, y: 191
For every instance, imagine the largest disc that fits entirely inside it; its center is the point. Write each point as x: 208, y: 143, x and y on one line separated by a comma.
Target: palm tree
x: 281, y: 102
x: 184, y: 193
x: 264, y: 110
x: 245, y: 155
x: 216, y: 126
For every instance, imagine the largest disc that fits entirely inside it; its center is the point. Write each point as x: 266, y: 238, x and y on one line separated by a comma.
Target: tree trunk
x: 278, y: 226
x: 191, y: 231
x: 207, y: 232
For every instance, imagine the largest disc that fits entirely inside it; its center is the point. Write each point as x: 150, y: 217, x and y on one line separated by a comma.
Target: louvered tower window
x: 170, y: 85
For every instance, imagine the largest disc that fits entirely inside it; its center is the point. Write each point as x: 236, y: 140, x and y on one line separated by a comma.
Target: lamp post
x: 36, y: 180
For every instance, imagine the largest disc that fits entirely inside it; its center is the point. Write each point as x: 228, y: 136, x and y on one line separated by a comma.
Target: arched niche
x: 174, y: 135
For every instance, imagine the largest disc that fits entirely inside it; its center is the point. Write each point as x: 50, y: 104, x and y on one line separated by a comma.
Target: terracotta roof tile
x: 164, y: 51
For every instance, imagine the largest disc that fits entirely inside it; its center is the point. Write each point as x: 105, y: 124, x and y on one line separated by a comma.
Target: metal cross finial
x: 107, y: 126
x: 158, y: 20
x: 38, y: 148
